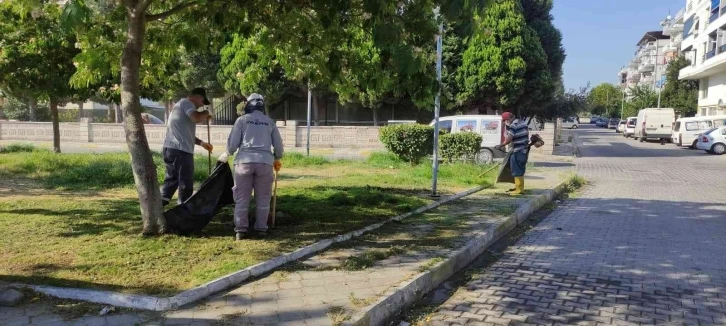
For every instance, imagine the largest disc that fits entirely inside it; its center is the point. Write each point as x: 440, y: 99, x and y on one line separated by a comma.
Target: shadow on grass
x: 312, y: 214
x: 40, y: 276
x: 109, y: 216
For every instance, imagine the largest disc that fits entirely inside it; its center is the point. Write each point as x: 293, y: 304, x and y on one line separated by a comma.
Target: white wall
x: 716, y: 90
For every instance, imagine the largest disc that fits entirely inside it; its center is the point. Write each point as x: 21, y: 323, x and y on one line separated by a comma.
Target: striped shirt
x: 520, y: 136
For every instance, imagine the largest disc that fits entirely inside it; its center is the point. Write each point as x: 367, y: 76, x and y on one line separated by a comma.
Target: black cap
x: 201, y: 92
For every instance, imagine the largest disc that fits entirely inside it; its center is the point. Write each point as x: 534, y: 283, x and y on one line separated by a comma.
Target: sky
x: 600, y: 36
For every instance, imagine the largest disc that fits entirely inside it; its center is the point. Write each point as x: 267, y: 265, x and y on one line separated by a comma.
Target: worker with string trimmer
x: 259, y: 148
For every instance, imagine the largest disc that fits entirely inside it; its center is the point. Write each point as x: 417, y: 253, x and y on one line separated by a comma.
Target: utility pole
x: 437, y: 106
x: 607, y: 102
x: 310, y: 101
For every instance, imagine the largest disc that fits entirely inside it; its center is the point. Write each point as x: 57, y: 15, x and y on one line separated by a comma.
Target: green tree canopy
x: 681, y: 95
x: 36, y: 57
x: 606, y: 99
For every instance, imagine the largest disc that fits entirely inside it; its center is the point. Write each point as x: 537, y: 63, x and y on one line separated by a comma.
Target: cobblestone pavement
x: 643, y: 244
x: 316, y: 291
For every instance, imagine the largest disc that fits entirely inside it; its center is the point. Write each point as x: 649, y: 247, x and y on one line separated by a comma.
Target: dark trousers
x: 179, y: 175
x: 518, y: 163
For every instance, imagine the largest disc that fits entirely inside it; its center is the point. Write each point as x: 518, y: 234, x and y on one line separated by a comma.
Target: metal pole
x: 310, y: 104
x: 622, y: 106
x: 437, y: 106
x: 655, y: 73
x: 607, y: 103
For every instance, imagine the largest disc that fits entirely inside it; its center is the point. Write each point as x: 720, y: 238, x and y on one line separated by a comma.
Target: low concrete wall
x: 549, y: 134
x: 293, y: 135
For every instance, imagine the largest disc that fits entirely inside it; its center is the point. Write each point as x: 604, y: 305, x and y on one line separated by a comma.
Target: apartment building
x: 648, y: 66
x: 704, y: 44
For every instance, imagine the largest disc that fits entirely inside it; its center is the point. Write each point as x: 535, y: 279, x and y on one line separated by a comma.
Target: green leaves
x: 463, y: 145
x: 409, y: 142
x: 36, y: 60
x: 681, y: 95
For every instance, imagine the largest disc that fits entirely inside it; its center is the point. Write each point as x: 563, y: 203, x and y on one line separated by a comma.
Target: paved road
x: 643, y: 244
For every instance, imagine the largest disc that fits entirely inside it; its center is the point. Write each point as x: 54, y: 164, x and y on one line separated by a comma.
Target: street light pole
x: 437, y: 107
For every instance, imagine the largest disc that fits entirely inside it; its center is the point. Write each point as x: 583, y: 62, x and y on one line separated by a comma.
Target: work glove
x: 224, y: 158
x: 207, y: 146
x: 277, y: 165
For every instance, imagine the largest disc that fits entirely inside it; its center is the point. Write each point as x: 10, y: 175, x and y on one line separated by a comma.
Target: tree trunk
x: 111, y: 113
x: 316, y: 115
x: 375, y: 115
x: 80, y: 111
x: 56, y: 125
x: 142, y: 163
x: 32, y: 109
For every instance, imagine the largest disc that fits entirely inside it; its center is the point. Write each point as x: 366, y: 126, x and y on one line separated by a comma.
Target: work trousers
x: 179, y: 175
x: 248, y: 177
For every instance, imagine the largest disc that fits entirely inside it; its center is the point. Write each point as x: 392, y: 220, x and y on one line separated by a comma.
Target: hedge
x: 460, y: 145
x: 409, y: 142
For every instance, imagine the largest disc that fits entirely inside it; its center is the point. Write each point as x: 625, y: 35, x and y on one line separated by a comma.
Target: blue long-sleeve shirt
x: 253, y: 137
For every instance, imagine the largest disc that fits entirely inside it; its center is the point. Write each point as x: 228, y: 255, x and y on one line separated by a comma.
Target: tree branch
x: 164, y: 15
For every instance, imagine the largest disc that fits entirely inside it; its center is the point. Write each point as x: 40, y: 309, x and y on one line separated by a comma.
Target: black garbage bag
x: 505, y: 171
x: 194, y: 214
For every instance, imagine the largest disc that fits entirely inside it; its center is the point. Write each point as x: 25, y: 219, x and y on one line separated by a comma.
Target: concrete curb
x: 146, y: 302
x: 410, y: 291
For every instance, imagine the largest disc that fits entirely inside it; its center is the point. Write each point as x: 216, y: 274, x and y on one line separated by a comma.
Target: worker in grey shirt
x: 179, y: 144
x: 253, y: 137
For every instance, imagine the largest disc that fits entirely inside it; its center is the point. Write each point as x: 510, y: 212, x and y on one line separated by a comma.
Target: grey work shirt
x: 253, y: 137
x: 181, y: 129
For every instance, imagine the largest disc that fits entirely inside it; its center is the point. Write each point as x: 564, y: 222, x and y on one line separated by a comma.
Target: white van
x: 686, y: 130
x: 630, y: 124
x: 655, y: 124
x: 488, y: 126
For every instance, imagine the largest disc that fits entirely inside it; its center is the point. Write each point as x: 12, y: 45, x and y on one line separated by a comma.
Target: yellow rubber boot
x: 518, y: 186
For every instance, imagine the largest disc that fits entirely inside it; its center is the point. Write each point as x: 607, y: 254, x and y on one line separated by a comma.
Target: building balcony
x: 647, y: 80
x: 710, y: 54
x: 713, y: 17
x: 646, y: 65
x: 634, y: 78
x: 670, y: 49
x: 673, y: 29
x: 714, y: 65
x: 633, y: 64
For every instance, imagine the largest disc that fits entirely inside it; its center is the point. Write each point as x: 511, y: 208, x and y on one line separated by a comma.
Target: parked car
x: 630, y: 126
x: 601, y: 122
x: 490, y: 127
x: 713, y: 141
x: 613, y: 123
x: 569, y: 123
x: 686, y: 130
x: 621, y: 127
x: 594, y: 119
x: 655, y: 124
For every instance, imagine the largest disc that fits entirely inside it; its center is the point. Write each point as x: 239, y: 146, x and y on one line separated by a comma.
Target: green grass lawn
x: 73, y: 219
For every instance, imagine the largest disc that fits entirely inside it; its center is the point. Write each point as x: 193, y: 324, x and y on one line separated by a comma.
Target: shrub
x: 17, y: 148
x: 460, y: 145
x: 68, y: 115
x: 410, y: 142
x: 14, y: 109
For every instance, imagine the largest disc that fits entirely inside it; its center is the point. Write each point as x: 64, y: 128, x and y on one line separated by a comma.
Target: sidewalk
x: 330, y: 287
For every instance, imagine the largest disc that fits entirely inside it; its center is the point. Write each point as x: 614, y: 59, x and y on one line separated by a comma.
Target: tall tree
x: 503, y: 59
x: 681, y: 95
x: 538, y: 15
x: 605, y: 99
x: 154, y: 31
x: 641, y: 97
x: 36, y: 57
